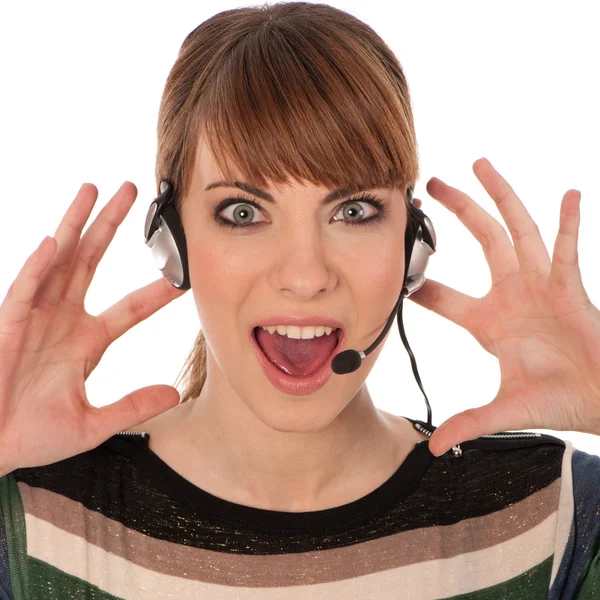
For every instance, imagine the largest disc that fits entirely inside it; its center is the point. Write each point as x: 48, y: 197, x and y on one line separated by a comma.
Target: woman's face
x: 298, y: 257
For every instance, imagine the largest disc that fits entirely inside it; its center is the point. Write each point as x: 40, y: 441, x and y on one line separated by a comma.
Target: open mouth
x: 300, y: 358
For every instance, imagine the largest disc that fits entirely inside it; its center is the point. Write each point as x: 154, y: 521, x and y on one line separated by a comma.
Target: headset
x: 164, y: 235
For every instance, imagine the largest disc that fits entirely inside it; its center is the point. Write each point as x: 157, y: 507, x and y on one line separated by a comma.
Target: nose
x: 303, y: 265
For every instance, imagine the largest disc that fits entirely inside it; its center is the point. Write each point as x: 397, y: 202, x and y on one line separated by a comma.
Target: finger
x: 16, y: 308
x: 131, y: 410
x: 529, y: 246
x: 445, y: 301
x: 475, y: 422
x: 67, y: 237
x: 95, y: 242
x: 456, y: 430
x: 565, y: 269
x: 494, y: 240
x: 137, y: 307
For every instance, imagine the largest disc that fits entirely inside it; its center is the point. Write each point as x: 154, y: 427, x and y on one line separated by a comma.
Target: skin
x: 242, y: 439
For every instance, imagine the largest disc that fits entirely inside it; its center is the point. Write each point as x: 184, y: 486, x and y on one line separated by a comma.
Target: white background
x: 515, y: 82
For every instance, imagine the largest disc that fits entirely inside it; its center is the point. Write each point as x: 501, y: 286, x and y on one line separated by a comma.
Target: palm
x: 49, y: 344
x: 536, y: 319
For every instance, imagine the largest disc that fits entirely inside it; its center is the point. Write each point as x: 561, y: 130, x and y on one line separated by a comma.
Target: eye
x: 243, y: 210
x: 353, y: 211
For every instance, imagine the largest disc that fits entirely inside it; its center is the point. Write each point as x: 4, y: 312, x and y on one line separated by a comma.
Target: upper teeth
x: 300, y: 333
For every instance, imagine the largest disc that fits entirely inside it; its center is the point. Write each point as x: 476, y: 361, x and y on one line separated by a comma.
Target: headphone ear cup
x: 176, y: 265
x: 417, y: 249
x: 167, y: 243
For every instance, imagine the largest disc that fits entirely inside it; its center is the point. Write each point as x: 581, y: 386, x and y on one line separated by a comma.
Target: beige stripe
x: 386, y: 553
x: 425, y: 581
x: 566, y: 510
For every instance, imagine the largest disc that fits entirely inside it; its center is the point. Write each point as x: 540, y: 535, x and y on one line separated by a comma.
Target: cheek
x: 379, y: 269
x: 216, y: 262
x: 376, y: 286
x: 212, y: 271
x: 393, y: 266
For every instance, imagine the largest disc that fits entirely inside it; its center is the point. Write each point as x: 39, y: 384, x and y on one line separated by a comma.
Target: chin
x: 299, y: 415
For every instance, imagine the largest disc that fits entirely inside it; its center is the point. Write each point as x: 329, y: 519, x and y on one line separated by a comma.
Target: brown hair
x: 292, y: 90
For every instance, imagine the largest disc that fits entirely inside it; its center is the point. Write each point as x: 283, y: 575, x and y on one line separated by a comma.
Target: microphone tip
x: 346, y: 362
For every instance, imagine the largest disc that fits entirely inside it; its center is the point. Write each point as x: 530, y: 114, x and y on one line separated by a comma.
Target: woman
x: 271, y: 476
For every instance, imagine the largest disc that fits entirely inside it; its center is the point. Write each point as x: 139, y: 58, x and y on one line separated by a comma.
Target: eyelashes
x: 241, y: 199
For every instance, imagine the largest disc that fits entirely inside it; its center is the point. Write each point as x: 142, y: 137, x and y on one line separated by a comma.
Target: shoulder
x: 525, y: 456
x: 489, y: 474
x: 528, y: 460
x: 507, y: 448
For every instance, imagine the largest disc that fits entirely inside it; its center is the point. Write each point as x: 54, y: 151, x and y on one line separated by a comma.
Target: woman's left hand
x: 537, y: 318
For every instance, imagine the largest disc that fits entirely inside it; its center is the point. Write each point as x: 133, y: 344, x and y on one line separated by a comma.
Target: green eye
x: 248, y: 205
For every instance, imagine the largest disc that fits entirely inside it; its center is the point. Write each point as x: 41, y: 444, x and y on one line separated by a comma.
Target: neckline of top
x: 391, y: 491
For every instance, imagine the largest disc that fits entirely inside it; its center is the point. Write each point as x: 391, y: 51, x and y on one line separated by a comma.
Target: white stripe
x: 566, y: 507
x: 422, y: 581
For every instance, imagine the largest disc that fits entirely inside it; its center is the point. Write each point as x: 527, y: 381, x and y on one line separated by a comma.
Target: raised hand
x: 537, y: 318
x: 49, y: 344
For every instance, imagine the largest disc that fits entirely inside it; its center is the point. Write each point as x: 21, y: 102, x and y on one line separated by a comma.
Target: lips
x: 289, y: 384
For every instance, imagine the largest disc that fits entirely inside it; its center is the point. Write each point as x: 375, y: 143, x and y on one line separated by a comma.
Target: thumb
x: 469, y: 425
x: 134, y: 408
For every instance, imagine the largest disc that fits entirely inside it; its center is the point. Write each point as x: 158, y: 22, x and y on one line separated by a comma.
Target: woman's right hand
x: 49, y: 344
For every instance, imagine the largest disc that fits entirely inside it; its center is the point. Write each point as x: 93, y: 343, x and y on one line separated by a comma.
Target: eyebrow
x: 246, y: 187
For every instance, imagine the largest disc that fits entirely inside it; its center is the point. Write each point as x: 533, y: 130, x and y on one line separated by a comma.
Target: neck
x: 236, y: 456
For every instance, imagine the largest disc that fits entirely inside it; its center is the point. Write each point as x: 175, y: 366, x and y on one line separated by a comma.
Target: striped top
x: 506, y: 518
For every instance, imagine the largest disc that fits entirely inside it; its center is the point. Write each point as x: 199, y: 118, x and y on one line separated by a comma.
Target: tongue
x: 298, y: 357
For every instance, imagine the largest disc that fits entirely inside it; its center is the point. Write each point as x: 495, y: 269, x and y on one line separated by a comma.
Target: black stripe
x: 128, y: 483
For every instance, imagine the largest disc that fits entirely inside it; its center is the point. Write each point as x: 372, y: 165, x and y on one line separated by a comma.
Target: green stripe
x: 588, y: 587
x: 13, y: 515
x: 47, y: 581
x: 532, y: 584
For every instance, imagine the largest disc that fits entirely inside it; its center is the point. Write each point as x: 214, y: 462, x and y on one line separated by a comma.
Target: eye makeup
x: 241, y: 199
